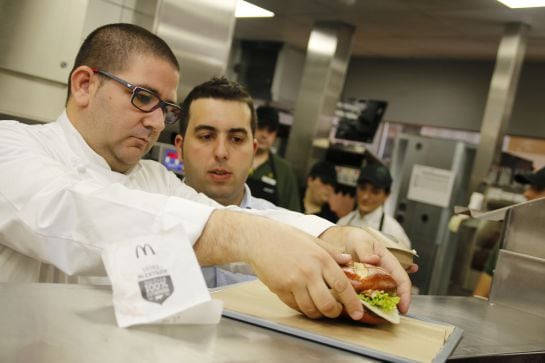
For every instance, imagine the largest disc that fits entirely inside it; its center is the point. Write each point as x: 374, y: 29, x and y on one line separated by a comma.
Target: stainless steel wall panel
x: 102, y: 12
x: 29, y: 98
x: 200, y: 33
x: 38, y: 43
x: 525, y: 229
x: 287, y: 76
x: 328, y: 52
x: 40, y: 38
x: 519, y: 282
x: 148, y: 7
x: 519, y: 276
x: 499, y: 104
x: 137, y: 18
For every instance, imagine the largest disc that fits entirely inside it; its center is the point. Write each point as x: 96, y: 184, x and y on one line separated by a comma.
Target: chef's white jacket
x: 60, y: 203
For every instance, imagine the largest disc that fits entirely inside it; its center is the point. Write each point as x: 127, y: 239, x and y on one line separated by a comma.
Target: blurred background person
x: 373, y: 188
x: 320, y: 186
x: 272, y: 178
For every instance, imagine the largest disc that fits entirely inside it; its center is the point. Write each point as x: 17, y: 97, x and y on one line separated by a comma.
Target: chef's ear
x: 83, y: 83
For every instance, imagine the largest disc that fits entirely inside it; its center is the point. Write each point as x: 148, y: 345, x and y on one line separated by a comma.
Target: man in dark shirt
x: 272, y: 178
x: 321, y: 183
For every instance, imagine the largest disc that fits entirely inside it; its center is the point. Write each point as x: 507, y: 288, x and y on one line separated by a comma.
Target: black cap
x: 536, y: 179
x: 325, y: 171
x: 376, y: 174
x: 267, y: 117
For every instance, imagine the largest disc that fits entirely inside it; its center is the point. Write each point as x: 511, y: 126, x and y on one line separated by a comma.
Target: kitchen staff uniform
x: 380, y: 221
x: 60, y: 203
x: 275, y: 181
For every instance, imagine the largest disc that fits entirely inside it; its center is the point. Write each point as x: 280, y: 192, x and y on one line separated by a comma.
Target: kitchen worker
x: 373, y: 188
x: 272, y: 177
x: 78, y: 185
x: 321, y: 182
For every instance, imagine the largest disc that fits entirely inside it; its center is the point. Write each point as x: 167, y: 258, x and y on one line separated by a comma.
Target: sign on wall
x: 431, y: 185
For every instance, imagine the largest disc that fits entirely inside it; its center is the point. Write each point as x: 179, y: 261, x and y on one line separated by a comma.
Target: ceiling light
x: 248, y: 10
x: 517, y: 4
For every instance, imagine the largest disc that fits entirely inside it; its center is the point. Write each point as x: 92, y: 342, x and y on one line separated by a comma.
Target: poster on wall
x: 431, y: 185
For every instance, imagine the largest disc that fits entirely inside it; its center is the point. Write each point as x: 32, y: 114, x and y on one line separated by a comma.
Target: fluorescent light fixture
x: 248, y: 10
x: 517, y: 4
x: 322, y: 43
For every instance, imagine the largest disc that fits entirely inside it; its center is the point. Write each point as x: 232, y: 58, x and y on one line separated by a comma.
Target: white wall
x: 446, y: 93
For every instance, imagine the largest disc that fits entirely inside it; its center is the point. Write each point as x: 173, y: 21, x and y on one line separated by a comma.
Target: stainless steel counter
x: 75, y: 323
x: 488, y: 329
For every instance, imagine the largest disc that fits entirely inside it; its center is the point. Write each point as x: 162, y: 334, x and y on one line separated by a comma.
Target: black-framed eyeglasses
x: 146, y: 100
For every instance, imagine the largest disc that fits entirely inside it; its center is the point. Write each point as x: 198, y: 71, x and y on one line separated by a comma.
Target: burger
x: 376, y: 289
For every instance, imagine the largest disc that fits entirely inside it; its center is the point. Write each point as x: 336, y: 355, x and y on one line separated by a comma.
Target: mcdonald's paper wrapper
x: 156, y: 279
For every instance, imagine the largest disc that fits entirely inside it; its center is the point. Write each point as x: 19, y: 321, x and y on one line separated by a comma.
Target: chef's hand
x: 290, y: 262
x: 363, y: 247
x: 301, y: 273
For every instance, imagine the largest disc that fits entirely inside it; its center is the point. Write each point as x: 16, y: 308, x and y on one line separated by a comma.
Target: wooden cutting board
x: 412, y: 339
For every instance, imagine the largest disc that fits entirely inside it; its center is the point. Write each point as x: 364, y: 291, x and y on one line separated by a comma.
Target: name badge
x: 268, y: 180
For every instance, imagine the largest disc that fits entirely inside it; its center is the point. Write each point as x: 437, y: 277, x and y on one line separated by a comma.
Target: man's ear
x: 178, y: 144
x: 255, y: 145
x: 82, y: 85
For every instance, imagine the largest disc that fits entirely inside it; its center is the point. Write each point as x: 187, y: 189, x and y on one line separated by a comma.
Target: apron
x: 266, y: 187
x: 379, y: 227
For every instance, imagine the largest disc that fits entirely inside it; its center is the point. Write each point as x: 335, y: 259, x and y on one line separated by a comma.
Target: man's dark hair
x: 217, y: 88
x: 325, y: 171
x: 268, y: 118
x: 110, y: 48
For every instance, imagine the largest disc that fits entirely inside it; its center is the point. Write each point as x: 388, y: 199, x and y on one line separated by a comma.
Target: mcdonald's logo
x: 145, y: 249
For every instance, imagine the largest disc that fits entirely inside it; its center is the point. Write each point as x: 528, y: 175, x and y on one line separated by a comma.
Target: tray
x: 413, y: 340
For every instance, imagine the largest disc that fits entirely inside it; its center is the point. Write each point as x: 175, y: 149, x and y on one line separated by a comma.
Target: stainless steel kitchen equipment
x: 431, y: 176
x: 519, y: 277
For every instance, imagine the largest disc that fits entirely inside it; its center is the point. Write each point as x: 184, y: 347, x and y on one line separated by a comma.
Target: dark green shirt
x: 286, y: 183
